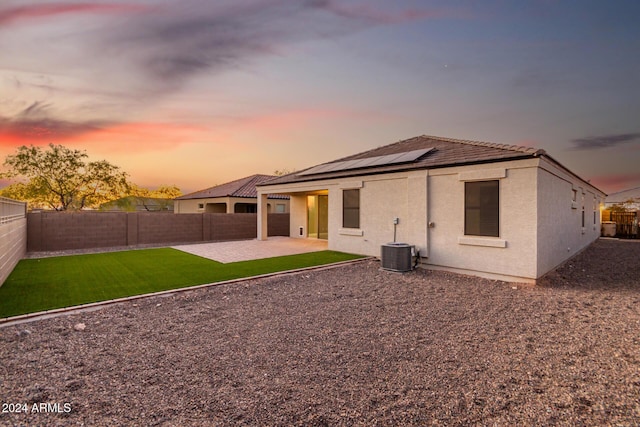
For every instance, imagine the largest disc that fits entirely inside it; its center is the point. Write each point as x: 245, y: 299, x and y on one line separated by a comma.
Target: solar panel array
x: 369, y: 162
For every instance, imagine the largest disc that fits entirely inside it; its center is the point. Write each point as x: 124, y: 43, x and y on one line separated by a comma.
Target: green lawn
x: 48, y: 283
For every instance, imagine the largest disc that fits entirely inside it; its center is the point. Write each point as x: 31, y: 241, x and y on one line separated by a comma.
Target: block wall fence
x: 57, y: 231
x: 13, y: 235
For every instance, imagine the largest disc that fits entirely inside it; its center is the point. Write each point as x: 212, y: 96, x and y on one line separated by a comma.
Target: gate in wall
x: 626, y: 223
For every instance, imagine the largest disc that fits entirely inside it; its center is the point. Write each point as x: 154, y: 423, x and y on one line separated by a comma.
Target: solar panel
x: 321, y: 168
x: 411, y: 156
x: 367, y: 162
x: 389, y: 159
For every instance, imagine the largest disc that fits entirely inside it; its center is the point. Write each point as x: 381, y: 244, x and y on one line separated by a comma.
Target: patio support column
x: 262, y: 216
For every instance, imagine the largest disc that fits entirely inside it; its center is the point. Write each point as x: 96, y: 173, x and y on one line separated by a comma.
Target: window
x: 245, y: 208
x: 280, y: 208
x: 351, y: 208
x: 482, y: 208
x: 200, y: 205
x: 574, y: 198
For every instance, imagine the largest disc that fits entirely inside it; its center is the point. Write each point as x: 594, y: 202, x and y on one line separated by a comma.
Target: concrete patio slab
x: 245, y: 250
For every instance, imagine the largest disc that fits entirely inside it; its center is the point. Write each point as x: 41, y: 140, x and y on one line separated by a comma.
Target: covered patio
x: 309, y: 213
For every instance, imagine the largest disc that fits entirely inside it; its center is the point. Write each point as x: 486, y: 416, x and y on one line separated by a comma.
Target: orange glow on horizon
x: 121, y: 137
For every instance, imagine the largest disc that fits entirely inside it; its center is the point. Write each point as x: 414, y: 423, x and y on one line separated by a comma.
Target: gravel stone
x: 350, y: 346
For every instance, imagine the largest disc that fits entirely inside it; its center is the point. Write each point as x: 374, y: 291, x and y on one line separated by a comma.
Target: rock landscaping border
x: 351, y: 345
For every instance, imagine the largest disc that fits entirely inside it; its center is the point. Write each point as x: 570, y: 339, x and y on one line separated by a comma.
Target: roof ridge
x: 510, y: 147
x: 252, y: 180
x: 624, y: 191
x: 212, y: 187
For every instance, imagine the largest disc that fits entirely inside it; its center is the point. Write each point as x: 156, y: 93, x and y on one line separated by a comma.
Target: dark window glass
x: 482, y: 208
x: 351, y: 208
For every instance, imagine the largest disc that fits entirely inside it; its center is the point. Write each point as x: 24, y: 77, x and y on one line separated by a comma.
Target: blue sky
x: 197, y: 93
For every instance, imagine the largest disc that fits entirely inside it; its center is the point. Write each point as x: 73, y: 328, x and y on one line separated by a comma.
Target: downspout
x: 428, y: 215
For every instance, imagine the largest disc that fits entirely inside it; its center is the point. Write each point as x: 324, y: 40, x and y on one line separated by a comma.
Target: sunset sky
x: 200, y: 92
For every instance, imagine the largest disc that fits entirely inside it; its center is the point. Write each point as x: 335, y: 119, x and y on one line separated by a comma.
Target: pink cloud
x: 141, y: 136
x: 33, y: 126
x: 613, y: 183
x: 12, y: 15
x: 115, y: 137
x: 365, y: 11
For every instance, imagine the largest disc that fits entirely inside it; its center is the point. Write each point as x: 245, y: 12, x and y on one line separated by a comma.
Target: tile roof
x: 243, y: 187
x: 446, y: 152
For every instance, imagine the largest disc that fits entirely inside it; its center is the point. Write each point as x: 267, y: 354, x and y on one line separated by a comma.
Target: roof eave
x: 566, y: 169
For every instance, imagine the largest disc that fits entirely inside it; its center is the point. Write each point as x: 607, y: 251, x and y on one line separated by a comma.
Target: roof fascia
x: 567, y: 170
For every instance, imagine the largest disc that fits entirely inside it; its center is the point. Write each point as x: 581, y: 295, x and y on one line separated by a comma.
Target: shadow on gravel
x: 607, y: 264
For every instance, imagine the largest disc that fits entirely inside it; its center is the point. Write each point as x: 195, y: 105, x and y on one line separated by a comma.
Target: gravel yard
x: 351, y: 345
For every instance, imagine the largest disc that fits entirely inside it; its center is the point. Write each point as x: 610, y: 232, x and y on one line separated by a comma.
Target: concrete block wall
x: 168, y: 228
x: 56, y: 231
x: 277, y: 224
x: 52, y: 231
x: 233, y: 226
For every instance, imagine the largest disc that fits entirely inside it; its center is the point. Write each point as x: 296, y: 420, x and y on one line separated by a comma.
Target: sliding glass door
x: 318, y: 216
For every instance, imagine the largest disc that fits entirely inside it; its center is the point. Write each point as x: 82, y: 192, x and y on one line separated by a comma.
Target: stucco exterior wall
x: 539, y: 228
x: 191, y: 205
x: 512, y: 254
x: 560, y: 233
x: 382, y: 198
x: 298, y: 215
x: 187, y: 206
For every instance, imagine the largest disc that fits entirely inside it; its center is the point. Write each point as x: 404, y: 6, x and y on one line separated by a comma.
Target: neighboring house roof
x: 624, y: 196
x: 243, y: 187
x: 445, y: 152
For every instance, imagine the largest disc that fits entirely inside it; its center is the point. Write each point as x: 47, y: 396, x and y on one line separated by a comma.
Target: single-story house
x: 239, y: 196
x: 629, y: 199
x: 492, y: 210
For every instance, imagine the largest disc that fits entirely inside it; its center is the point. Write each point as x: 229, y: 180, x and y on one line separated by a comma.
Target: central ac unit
x: 397, y: 256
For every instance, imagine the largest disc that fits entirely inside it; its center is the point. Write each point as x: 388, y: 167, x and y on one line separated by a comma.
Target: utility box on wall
x: 608, y: 228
